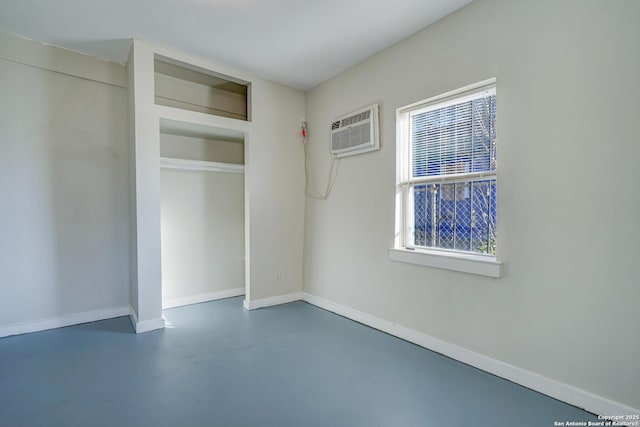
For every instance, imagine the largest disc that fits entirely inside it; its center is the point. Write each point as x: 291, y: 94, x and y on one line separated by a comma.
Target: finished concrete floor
x: 217, y: 364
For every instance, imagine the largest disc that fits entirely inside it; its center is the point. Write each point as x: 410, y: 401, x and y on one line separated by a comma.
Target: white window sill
x: 466, y: 263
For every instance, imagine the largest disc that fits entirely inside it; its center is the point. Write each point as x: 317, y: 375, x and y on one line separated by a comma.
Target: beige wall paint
x: 274, y: 174
x: 64, y: 248
x: 202, y: 220
x: 567, y: 85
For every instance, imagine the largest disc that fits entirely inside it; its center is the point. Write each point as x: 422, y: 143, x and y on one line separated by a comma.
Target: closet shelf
x: 187, y: 87
x: 200, y: 165
x: 176, y: 120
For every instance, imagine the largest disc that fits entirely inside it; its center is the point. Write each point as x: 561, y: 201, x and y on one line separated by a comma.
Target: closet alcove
x: 201, y: 184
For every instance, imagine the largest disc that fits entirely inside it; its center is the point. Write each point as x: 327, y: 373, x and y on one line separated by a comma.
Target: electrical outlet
x: 281, y: 273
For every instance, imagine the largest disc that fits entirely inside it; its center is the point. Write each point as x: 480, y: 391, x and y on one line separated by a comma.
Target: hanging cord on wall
x: 333, y: 171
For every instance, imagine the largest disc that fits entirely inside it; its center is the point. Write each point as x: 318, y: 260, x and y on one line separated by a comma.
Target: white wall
x: 133, y: 232
x: 567, y: 84
x: 202, y: 219
x: 144, y: 137
x: 63, y: 180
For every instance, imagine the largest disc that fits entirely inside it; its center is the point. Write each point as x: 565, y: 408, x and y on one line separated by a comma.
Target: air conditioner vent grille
x: 355, y: 133
x: 365, y: 115
x: 352, y: 137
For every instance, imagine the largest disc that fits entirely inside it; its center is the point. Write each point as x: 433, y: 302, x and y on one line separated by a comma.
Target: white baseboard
x: 197, y: 299
x: 268, y: 302
x: 563, y: 392
x: 146, y: 325
x: 62, y: 321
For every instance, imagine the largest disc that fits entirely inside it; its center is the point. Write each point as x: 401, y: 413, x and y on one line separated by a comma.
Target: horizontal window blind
x: 454, y: 139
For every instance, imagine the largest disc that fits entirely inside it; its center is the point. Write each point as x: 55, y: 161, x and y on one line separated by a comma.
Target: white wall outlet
x: 281, y: 273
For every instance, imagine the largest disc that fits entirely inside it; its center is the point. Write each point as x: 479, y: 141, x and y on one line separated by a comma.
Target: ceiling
x: 298, y: 43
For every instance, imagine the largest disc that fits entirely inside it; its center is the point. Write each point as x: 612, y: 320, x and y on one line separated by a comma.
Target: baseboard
x: 268, y: 302
x: 146, y: 325
x: 197, y: 299
x: 62, y: 321
x: 563, y: 392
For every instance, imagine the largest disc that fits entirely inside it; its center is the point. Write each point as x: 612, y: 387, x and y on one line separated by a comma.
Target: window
x: 446, y: 174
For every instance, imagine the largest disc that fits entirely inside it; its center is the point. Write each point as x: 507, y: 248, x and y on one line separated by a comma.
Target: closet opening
x: 202, y: 213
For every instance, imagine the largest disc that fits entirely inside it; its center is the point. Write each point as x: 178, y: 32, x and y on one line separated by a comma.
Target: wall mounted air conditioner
x: 356, y: 132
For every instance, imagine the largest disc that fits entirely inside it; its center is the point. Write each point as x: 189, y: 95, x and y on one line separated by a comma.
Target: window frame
x: 404, y: 249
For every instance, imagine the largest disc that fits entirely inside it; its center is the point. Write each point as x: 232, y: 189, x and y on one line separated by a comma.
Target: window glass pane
x: 463, y: 217
x: 459, y: 216
x: 483, y: 211
x: 423, y: 205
